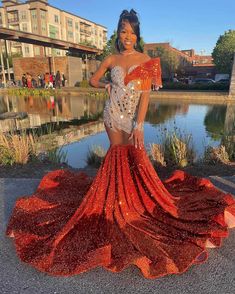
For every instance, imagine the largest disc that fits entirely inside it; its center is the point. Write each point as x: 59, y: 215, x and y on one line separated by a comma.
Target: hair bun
x: 124, y: 12
x: 132, y: 11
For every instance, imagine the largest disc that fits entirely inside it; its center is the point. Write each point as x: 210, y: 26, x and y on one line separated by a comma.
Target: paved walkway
x: 216, y: 276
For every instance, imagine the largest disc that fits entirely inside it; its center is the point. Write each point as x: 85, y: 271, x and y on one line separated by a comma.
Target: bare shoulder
x: 111, y: 60
x: 143, y: 57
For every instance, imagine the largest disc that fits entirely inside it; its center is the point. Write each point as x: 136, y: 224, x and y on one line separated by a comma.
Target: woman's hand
x: 108, y: 88
x: 138, y: 138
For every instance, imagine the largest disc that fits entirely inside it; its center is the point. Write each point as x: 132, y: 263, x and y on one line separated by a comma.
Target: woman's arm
x: 104, y: 66
x: 137, y: 132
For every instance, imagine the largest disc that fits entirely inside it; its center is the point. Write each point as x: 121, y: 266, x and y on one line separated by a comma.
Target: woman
x: 127, y: 215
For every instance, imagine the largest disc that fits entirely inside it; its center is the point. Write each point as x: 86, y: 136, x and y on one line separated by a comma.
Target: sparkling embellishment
x: 120, y: 108
x: 72, y: 223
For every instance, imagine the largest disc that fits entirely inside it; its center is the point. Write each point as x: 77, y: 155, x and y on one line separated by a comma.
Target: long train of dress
x: 127, y: 216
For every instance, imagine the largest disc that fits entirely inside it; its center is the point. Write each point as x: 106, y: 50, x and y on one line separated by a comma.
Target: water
x: 205, y: 122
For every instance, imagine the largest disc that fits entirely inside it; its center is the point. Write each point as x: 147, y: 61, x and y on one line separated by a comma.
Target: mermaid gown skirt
x: 124, y: 216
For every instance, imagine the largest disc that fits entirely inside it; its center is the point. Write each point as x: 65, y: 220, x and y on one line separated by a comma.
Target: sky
x: 184, y: 24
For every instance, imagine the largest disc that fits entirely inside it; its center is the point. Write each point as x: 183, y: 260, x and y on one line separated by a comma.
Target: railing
x: 11, y: 20
x: 85, y: 31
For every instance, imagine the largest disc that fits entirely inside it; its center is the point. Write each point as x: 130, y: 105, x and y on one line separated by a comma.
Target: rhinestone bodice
x: 120, y: 108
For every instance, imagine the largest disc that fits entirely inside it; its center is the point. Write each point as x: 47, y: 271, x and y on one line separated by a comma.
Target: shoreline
x: 194, y: 96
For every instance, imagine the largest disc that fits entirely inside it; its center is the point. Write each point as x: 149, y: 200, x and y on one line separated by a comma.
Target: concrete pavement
x: 216, y: 276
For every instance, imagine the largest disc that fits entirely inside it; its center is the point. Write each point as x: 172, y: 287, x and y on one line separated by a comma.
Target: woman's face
x: 127, y: 36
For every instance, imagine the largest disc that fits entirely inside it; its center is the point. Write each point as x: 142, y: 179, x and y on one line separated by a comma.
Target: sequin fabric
x: 124, y: 216
x: 121, y: 107
x: 146, y: 74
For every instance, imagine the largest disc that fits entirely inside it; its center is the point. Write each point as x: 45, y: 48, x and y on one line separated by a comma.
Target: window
x: 35, y: 27
x: 43, y: 14
x: 53, y: 31
x: 77, y: 38
x: 44, y: 28
x: 56, y: 18
x: 70, y: 22
x: 76, y: 25
x: 26, y: 49
x: 70, y: 35
x: 37, y: 50
x: 24, y: 27
x: 23, y: 15
x: 34, y: 13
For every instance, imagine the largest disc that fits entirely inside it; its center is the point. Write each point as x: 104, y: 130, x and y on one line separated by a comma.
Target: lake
x: 68, y: 117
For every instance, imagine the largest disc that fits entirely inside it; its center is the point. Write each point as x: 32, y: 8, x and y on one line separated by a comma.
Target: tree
x: 109, y: 48
x: 224, y: 51
x: 169, y: 60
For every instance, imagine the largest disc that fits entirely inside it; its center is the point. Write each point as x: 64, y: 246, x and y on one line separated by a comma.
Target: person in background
x: 58, y: 79
x: 126, y: 215
x: 24, y: 81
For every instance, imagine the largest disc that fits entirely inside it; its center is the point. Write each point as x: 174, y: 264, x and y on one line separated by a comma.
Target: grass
x: 32, y: 91
x: 22, y: 147
x: 17, y: 148
x: 95, y: 156
x: 175, y: 149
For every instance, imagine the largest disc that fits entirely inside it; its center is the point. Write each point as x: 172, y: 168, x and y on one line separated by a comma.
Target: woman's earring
x: 120, y: 45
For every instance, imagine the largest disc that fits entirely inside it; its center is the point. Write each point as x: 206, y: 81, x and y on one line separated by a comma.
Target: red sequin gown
x: 124, y: 216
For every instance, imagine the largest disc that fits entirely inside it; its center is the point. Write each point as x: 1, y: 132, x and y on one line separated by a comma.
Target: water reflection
x: 52, y: 109
x: 159, y: 113
x: 74, y: 118
x: 220, y: 120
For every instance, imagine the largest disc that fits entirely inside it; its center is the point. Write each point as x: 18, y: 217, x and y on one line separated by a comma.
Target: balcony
x: 13, y: 20
x: 85, y: 31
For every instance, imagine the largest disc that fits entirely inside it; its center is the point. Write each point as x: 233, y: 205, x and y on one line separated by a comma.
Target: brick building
x: 190, y: 64
x: 41, y: 18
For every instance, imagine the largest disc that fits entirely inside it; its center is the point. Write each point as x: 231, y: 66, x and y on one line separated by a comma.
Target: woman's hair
x: 133, y: 20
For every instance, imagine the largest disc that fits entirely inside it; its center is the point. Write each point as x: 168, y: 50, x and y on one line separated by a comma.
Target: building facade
x: 40, y: 18
x: 190, y: 64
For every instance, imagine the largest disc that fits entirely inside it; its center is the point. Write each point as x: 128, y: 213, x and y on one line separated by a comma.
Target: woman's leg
x: 118, y: 137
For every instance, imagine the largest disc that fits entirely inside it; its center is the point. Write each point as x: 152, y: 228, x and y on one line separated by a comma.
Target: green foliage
x: 109, y: 49
x: 213, y: 155
x: 16, y: 148
x: 141, y: 49
x: 214, y: 121
x: 10, y: 58
x: 95, y: 156
x: 32, y: 92
x: 169, y: 60
x: 83, y: 84
x: 228, y: 141
x: 178, y: 148
x: 200, y: 87
x: 224, y: 51
x: 57, y: 155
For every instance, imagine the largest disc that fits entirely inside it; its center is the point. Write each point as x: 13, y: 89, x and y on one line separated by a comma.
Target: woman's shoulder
x: 143, y: 57
x: 110, y: 60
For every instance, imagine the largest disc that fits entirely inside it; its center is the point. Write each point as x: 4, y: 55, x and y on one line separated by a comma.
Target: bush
x: 16, y: 149
x: 202, y: 87
x: 82, y: 84
x: 215, y: 155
